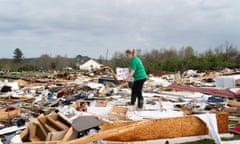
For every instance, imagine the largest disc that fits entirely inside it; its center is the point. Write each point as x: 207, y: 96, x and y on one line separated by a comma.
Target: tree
x: 188, y: 51
x: 44, y: 61
x: 119, y: 60
x: 18, y: 56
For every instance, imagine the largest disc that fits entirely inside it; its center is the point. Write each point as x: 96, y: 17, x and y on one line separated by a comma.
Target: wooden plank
x: 167, y: 128
x: 33, y: 129
x: 24, y: 133
x: 35, y: 139
x: 54, y: 116
x: 41, y: 142
x: 57, y: 135
x: 39, y: 129
x: 233, y: 103
x: 56, y: 124
x: 49, y: 128
x: 110, y: 132
x: 67, y: 135
x: 62, y: 118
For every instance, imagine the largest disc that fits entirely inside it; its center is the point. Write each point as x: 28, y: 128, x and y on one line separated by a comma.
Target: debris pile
x: 68, y: 107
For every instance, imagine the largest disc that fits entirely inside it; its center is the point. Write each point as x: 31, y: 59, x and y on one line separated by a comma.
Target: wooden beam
x: 110, y: 132
x: 67, y: 135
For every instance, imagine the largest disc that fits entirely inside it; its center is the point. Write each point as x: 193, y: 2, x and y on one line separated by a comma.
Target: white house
x: 89, y: 64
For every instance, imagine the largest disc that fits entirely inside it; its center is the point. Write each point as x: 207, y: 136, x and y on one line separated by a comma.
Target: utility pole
x: 106, y: 57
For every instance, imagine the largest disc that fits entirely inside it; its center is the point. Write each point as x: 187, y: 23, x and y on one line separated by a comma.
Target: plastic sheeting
x: 211, y: 122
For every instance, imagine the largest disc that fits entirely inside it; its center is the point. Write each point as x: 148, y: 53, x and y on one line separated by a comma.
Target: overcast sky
x: 91, y: 27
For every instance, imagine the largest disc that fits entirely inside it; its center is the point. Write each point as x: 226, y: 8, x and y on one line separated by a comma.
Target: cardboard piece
x: 101, y: 103
x: 118, y: 113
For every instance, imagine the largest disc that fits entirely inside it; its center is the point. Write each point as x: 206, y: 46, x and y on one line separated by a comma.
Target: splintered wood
x: 168, y: 128
x: 150, y: 129
x: 111, y: 132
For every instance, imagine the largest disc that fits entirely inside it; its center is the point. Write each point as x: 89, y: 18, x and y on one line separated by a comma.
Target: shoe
x: 140, y: 104
x: 129, y: 103
x: 140, y: 107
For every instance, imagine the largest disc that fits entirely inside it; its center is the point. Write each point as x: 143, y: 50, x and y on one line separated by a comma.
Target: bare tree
x: 44, y: 61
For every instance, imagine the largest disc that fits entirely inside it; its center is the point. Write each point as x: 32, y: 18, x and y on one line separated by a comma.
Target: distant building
x: 67, y: 68
x: 89, y: 65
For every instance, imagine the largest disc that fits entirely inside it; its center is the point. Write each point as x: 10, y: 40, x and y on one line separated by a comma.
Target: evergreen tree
x: 17, y: 56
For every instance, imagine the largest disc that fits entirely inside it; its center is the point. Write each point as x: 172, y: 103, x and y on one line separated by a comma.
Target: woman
x: 137, y: 71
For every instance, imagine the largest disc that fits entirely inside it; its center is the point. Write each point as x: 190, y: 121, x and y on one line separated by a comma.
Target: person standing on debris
x: 137, y: 71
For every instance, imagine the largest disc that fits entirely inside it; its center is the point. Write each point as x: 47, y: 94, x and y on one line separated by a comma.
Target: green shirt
x: 137, y: 66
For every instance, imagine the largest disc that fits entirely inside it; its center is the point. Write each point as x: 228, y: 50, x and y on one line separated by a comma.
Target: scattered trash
x: 72, y: 106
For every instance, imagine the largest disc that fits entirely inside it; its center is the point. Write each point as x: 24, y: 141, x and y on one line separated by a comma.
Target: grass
x: 211, y: 141
x: 204, y: 141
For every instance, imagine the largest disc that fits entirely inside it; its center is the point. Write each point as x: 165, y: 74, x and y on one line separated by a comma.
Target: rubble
x: 66, y: 108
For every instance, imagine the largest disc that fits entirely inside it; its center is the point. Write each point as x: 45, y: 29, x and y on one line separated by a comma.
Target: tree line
x: 45, y: 61
x: 172, y: 60
x: 155, y: 60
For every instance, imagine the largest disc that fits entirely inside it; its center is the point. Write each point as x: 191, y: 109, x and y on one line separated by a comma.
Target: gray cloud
x: 60, y: 27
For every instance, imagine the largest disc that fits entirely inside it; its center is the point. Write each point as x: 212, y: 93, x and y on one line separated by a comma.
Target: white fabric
x: 205, y: 97
x: 211, y: 122
x: 67, y: 110
x: 16, y: 139
x: 158, y: 81
x: 93, y: 85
